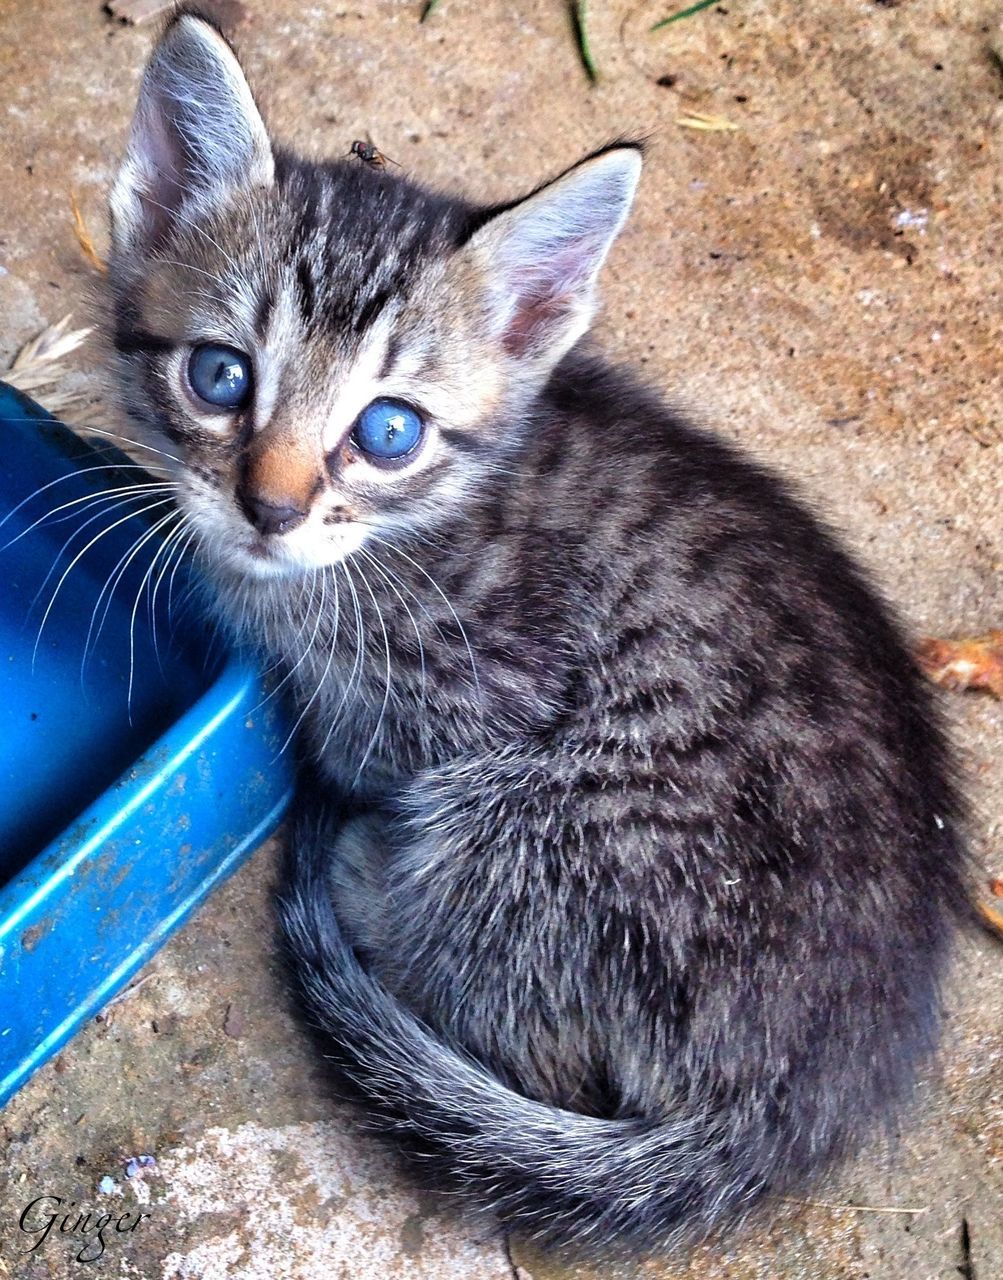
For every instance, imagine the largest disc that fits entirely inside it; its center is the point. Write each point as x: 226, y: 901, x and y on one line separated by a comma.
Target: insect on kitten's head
x: 330, y: 351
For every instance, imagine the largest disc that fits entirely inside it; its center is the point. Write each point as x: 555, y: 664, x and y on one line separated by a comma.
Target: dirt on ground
x: 822, y: 284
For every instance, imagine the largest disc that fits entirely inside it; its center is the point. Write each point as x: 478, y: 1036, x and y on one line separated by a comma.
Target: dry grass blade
x: 138, y: 11
x: 683, y: 13
x: 37, y: 366
x: 84, y: 238
x: 991, y: 918
x: 580, y: 18
x: 707, y: 124
x: 42, y: 352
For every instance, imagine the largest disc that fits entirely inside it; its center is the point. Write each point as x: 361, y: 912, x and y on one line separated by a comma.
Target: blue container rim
x: 122, y: 798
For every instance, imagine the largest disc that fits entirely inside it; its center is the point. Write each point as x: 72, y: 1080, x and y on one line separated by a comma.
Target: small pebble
x: 233, y: 1023
x: 138, y: 1165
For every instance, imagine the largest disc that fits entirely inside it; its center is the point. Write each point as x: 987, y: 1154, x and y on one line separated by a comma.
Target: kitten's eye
x: 388, y: 429
x: 220, y: 376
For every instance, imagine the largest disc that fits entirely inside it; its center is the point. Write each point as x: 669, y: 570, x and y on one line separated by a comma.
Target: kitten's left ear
x: 540, y: 258
x: 196, y: 134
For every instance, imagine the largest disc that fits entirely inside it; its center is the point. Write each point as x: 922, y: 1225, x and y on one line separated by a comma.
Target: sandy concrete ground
x: 824, y: 285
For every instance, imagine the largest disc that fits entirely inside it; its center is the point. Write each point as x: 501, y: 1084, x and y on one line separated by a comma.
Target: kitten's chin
x: 240, y: 559
x: 267, y: 559
x: 259, y: 560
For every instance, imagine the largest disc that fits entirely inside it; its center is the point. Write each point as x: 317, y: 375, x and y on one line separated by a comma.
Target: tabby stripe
x: 464, y: 441
x: 307, y: 293
x: 139, y: 341
x: 263, y: 312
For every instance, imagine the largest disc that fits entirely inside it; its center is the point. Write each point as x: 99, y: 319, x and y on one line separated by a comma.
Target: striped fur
x: 627, y: 858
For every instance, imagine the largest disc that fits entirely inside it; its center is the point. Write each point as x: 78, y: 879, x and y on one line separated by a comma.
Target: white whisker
x: 73, y: 475
x: 76, y: 559
x: 313, y: 696
x: 358, y: 663
x: 170, y: 545
x: 386, y: 691
x: 190, y: 222
x: 300, y: 660
x: 171, y: 515
x: 134, y: 444
x: 470, y: 653
x: 78, y: 530
x: 388, y: 578
x: 111, y: 584
x: 84, y: 434
x: 88, y: 500
x: 190, y: 266
x: 197, y: 538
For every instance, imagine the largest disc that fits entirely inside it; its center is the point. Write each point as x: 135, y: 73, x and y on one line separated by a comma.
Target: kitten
x: 627, y: 858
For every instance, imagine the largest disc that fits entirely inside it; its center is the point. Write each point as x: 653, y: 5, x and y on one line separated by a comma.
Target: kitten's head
x: 329, y: 350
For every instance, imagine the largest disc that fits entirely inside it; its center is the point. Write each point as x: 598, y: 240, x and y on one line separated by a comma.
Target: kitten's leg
x: 358, y: 881
x: 493, y: 930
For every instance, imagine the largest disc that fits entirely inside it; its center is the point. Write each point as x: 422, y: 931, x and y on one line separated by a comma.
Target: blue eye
x: 220, y: 376
x: 388, y: 429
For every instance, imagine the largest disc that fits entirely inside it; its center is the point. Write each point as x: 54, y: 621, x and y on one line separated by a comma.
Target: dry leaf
x: 973, y: 663
x: 37, y: 364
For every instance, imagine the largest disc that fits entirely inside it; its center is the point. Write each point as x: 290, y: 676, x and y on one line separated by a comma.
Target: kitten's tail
x: 558, y: 1176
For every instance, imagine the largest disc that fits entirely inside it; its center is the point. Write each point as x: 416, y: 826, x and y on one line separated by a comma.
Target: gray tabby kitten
x: 627, y: 860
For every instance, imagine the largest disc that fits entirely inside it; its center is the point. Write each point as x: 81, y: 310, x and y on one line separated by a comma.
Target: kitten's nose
x: 267, y: 517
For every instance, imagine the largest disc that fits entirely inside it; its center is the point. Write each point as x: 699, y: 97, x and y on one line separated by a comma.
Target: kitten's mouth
x: 259, y: 549
x: 265, y: 558
x: 250, y: 554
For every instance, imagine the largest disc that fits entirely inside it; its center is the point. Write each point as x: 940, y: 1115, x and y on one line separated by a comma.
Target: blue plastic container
x: 136, y: 770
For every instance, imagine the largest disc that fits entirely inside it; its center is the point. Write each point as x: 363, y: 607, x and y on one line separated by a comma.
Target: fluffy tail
x: 563, y: 1178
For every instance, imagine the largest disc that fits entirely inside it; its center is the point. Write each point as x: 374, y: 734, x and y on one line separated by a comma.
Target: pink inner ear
x: 532, y: 321
x: 545, y: 291
x: 159, y: 151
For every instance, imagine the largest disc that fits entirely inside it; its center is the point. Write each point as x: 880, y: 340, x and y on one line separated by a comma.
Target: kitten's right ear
x: 196, y: 135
